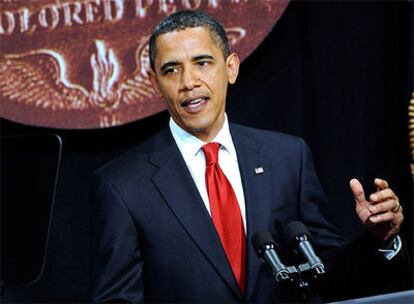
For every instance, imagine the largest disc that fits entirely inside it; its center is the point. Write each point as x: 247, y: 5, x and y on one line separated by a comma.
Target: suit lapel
x: 258, y: 195
x: 177, y: 187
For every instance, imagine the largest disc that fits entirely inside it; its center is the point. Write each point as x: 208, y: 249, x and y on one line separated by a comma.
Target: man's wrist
x: 392, y: 248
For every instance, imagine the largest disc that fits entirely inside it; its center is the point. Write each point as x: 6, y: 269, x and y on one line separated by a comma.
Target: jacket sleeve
x: 353, y: 269
x: 117, y: 265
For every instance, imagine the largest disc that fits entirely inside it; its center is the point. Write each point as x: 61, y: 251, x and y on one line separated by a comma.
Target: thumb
x: 357, y: 190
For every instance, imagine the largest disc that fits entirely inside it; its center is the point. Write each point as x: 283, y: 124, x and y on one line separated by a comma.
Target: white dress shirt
x: 190, y: 148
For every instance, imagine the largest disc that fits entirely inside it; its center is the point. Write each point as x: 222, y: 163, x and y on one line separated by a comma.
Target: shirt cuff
x: 395, y: 247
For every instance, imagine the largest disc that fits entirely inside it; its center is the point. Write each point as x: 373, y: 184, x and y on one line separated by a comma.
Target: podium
x: 402, y: 297
x: 29, y: 171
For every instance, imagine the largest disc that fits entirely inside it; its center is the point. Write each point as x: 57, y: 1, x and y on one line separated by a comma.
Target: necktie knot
x: 211, y: 153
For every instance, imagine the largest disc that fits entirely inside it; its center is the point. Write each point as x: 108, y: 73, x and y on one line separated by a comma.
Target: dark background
x: 338, y: 74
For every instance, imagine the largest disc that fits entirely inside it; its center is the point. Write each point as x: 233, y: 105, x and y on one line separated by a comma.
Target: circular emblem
x: 82, y: 64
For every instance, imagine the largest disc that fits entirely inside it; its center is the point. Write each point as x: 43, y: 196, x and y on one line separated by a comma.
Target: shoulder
x: 266, y: 140
x: 133, y: 162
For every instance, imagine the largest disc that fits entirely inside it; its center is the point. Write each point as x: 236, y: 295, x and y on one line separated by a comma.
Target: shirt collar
x: 190, y: 145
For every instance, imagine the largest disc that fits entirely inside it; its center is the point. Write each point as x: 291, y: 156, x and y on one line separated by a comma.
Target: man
x: 166, y: 231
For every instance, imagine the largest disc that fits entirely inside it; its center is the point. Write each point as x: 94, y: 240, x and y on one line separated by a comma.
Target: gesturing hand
x: 382, y: 213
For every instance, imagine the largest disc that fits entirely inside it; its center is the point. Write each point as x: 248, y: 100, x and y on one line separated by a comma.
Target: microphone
x: 298, y: 234
x: 265, y: 248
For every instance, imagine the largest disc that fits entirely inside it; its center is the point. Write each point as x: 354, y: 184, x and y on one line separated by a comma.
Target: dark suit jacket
x: 155, y: 241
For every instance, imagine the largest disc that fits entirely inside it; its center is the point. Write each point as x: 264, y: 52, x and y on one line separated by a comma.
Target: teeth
x: 195, y: 101
x: 192, y: 103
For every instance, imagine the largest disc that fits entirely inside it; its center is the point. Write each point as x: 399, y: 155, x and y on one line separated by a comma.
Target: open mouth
x: 195, y: 104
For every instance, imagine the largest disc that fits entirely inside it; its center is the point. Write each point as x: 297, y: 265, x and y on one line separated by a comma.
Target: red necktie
x: 225, y: 212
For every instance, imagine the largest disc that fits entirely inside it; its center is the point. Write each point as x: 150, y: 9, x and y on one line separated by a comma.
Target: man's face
x: 192, y: 75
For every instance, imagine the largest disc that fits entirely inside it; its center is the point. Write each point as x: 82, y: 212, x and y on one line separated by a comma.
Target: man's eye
x: 170, y: 70
x: 202, y: 63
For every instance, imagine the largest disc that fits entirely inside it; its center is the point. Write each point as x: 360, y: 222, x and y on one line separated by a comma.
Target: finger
x: 385, y: 206
x: 387, y: 217
x: 363, y: 214
x: 357, y: 190
x: 382, y: 195
x: 381, y: 183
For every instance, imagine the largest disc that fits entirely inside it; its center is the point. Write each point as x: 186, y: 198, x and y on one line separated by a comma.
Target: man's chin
x: 205, y: 132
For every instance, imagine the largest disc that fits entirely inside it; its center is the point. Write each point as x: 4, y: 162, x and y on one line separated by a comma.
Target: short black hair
x: 189, y: 19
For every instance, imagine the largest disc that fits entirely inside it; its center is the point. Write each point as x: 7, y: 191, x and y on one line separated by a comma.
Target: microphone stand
x: 299, y: 277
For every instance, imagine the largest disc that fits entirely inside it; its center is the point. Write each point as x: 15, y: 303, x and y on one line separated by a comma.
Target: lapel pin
x: 259, y: 170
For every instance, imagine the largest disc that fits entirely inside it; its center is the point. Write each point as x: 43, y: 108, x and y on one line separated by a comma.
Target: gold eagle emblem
x: 39, y: 78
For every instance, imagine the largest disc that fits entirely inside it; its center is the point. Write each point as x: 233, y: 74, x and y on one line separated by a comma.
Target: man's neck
x: 206, y: 135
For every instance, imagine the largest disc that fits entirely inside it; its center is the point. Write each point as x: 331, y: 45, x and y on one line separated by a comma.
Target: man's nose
x: 189, y: 79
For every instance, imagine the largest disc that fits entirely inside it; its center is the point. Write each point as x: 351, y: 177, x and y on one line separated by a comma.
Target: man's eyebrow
x: 201, y: 57
x: 175, y: 63
x: 168, y: 64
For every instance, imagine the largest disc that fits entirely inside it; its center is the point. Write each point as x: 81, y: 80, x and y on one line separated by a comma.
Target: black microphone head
x: 294, y: 229
x: 260, y: 240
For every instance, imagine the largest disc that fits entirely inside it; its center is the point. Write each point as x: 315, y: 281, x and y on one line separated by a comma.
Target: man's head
x: 189, y: 19
x: 192, y: 71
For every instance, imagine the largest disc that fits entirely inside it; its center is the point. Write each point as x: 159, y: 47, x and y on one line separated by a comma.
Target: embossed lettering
x: 191, y: 4
x: 11, y: 23
x: 114, y: 10
x: 72, y: 15
x: 54, y: 14
x: 167, y: 6
x: 24, y: 15
x: 80, y: 12
x: 141, y: 7
x: 91, y: 10
x: 213, y: 3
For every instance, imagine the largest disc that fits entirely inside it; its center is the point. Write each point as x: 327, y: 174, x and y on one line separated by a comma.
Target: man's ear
x: 153, y: 78
x: 232, y: 64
